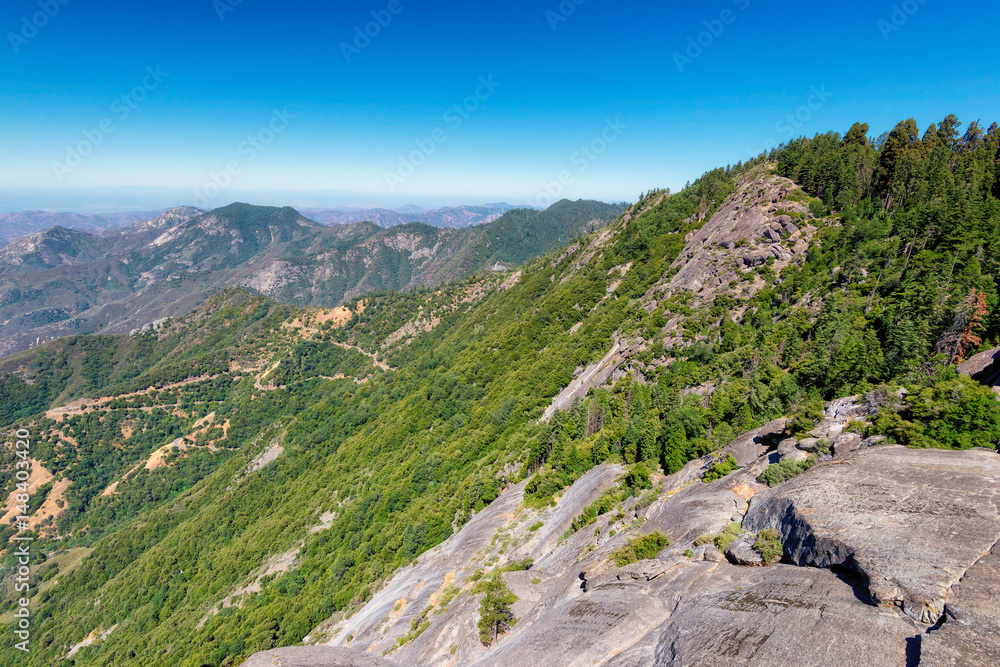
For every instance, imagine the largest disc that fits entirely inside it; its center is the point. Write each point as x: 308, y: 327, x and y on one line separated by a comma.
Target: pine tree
x: 495, y: 615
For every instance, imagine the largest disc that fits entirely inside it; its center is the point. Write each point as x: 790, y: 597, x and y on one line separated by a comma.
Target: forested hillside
x: 254, y: 469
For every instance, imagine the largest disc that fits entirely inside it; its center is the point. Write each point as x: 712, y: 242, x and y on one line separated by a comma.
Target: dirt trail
x: 84, y: 405
x: 371, y: 355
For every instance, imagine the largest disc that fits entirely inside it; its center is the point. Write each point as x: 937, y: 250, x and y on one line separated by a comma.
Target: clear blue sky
x: 558, y: 88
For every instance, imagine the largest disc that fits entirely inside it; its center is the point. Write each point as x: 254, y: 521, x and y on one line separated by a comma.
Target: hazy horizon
x: 392, y: 103
x: 97, y: 201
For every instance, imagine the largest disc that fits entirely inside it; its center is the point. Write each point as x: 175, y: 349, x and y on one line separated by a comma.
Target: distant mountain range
x: 22, y: 223
x: 14, y: 225
x: 454, y: 217
x: 62, y: 281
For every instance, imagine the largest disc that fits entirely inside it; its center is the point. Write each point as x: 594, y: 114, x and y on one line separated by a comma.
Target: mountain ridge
x: 125, y: 278
x: 449, y: 217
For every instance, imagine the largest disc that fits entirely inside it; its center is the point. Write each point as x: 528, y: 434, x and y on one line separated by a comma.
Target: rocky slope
x: 347, y: 478
x: 752, y: 228
x: 891, y: 558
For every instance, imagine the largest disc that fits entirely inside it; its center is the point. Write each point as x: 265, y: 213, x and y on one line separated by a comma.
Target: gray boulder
x: 912, y: 522
x: 983, y: 367
x: 787, y: 446
x: 796, y: 455
x: 829, y: 428
x: 752, y: 445
x: 808, y: 444
x: 846, y: 443
x: 778, y: 616
x: 741, y: 551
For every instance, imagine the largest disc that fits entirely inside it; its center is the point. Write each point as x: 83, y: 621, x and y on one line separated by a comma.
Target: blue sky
x: 376, y: 123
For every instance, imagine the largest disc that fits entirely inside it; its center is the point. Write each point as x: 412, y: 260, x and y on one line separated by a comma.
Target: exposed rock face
x: 751, y: 227
x: 912, y: 522
x: 914, y: 534
x: 315, y: 656
x: 741, y: 551
x: 776, y: 616
x: 593, y: 376
x: 984, y: 367
x: 750, y: 446
x: 971, y: 634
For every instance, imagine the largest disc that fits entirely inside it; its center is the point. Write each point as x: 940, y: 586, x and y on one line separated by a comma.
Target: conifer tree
x: 495, y: 615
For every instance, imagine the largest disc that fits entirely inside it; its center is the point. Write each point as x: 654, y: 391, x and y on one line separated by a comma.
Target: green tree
x: 495, y: 615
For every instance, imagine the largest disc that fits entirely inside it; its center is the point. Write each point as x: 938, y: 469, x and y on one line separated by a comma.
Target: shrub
x: 518, y: 566
x: 953, y: 413
x: 720, y: 469
x: 728, y: 536
x: 535, y: 526
x: 640, y: 548
x: 776, y: 473
x: 637, y: 478
x: 768, y: 545
x: 703, y: 539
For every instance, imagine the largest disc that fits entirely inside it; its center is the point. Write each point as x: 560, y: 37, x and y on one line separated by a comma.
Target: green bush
x: 518, y: 566
x: 953, y: 413
x: 728, y: 536
x: 720, y: 469
x: 768, y: 545
x: 637, y: 478
x: 640, y: 548
x: 777, y: 473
